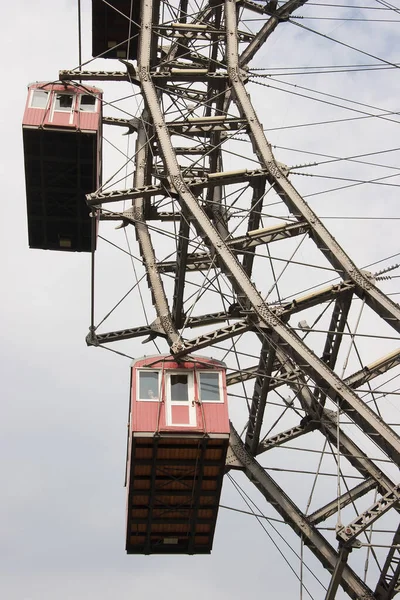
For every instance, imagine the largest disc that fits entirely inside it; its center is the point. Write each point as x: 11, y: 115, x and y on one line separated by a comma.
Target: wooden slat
x: 178, y: 470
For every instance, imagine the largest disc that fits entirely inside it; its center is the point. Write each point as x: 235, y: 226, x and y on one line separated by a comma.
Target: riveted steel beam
x: 66, y: 75
x: 219, y: 335
x: 94, y: 339
x: 214, y: 195
x: 175, y: 74
x: 212, y: 318
x: 334, y: 336
x: 241, y: 376
x: 192, y: 150
x: 338, y: 321
x: 252, y: 372
x: 141, y: 177
x: 253, y: 222
x: 131, y: 124
x: 287, y: 436
x: 380, y: 366
x: 241, y: 245
x: 285, y: 311
x: 181, y: 257
x: 256, y: 7
x: 206, y: 126
x: 193, y: 31
x: 187, y: 75
x: 349, y: 497
x: 348, y: 533
x: 197, y: 183
x: 337, y: 573
x: 111, y: 216
x: 144, y: 191
x: 185, y: 93
x: 262, y: 386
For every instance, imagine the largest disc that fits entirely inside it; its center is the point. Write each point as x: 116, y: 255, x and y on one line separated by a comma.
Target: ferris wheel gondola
x: 62, y: 135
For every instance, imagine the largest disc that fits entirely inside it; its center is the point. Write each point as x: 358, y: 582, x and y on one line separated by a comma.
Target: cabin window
x: 148, y: 385
x: 64, y: 102
x: 179, y: 388
x: 210, y: 387
x: 88, y: 103
x: 39, y: 99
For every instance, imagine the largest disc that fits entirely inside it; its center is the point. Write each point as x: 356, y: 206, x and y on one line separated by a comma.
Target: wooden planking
x: 173, y: 499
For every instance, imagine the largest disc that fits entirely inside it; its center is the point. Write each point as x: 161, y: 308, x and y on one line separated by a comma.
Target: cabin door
x: 181, y: 408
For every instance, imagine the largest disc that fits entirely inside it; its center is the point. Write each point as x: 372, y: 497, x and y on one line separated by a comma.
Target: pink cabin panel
x: 186, y: 396
x: 63, y: 106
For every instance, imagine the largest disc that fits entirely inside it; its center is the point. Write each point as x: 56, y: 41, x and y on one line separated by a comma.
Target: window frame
x: 189, y: 387
x: 143, y: 370
x: 31, y: 99
x: 220, y: 386
x: 190, y: 402
x: 70, y: 111
x: 94, y: 105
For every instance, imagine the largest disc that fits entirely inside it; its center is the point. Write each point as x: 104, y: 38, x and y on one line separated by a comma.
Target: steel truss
x: 223, y: 243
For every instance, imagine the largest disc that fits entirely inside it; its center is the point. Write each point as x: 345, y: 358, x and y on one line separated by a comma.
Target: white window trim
x: 63, y: 112
x: 220, y: 387
x: 189, y: 403
x: 64, y: 94
x: 31, y: 99
x: 95, y: 109
x: 138, y: 399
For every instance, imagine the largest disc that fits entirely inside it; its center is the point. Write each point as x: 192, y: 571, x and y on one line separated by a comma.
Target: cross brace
x: 331, y: 508
x: 348, y: 533
x: 287, y: 436
x: 240, y: 245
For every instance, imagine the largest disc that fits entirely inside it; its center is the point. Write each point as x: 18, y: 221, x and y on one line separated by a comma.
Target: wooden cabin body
x: 62, y: 128
x: 74, y: 107
x: 178, y: 439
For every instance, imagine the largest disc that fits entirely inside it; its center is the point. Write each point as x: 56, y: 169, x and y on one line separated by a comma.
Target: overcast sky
x: 63, y: 427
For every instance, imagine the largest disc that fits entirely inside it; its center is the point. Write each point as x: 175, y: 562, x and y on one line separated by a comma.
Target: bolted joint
x: 91, y: 338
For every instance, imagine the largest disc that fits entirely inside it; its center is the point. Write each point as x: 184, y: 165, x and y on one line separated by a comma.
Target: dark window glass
x: 64, y: 102
x: 209, y: 387
x: 39, y: 99
x: 148, y: 385
x: 88, y: 103
x: 179, y: 388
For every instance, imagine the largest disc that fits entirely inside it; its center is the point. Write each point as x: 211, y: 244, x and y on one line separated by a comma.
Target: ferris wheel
x: 240, y: 270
